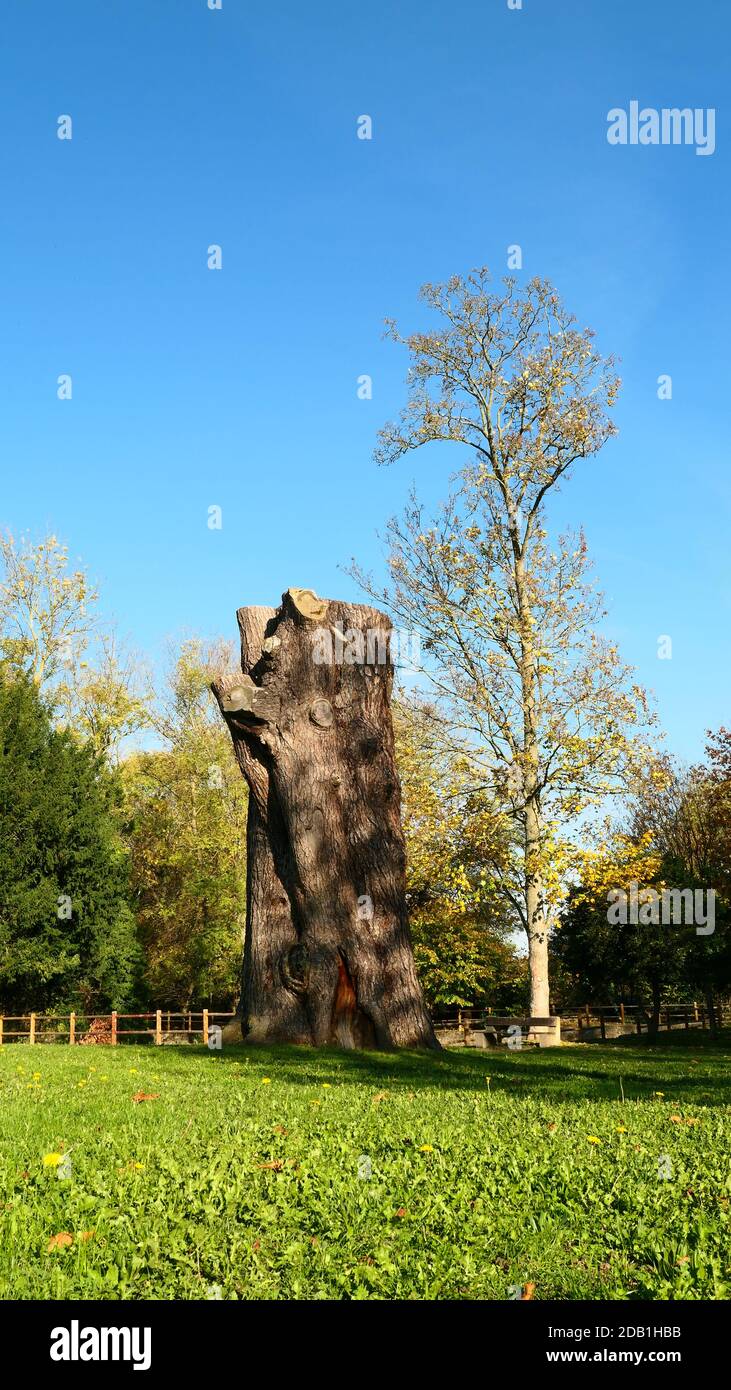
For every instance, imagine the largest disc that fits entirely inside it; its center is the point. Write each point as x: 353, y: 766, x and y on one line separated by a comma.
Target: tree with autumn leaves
x: 676, y: 838
x: 176, y: 813
x: 536, y: 700
x: 530, y: 718
x: 185, y: 818
x: 462, y: 934
x: 157, y: 823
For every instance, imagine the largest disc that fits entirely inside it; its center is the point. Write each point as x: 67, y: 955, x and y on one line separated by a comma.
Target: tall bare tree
x: 509, y: 618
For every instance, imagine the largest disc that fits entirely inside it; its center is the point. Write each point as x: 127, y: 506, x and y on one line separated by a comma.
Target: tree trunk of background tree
x: 327, y: 956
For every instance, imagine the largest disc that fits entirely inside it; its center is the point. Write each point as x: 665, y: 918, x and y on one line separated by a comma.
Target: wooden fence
x: 605, y: 1020
x: 74, y: 1028
x: 621, y: 1018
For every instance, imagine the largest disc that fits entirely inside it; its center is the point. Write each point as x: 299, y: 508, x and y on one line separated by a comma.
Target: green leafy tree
x: 676, y: 840
x: 67, y: 933
x: 687, y: 820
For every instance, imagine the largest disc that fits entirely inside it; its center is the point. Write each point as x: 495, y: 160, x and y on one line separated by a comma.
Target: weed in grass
x: 291, y: 1174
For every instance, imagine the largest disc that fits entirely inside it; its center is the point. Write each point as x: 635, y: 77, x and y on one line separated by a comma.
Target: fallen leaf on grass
x: 142, y: 1095
x: 276, y: 1165
x: 528, y: 1291
x: 62, y: 1239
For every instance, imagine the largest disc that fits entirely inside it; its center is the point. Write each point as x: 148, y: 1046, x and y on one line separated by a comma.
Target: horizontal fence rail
x: 603, y: 1020
x: 113, y: 1028
x: 191, y: 1025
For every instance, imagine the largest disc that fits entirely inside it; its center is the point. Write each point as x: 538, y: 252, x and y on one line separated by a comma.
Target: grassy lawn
x: 245, y: 1174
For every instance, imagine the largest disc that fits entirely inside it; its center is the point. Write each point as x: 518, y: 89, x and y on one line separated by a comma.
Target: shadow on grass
x: 695, y: 1071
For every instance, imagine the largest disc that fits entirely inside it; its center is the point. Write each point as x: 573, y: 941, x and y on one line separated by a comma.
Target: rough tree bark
x: 328, y: 956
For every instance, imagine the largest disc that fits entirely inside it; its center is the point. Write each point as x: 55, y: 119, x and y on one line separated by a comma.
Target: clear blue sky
x: 193, y: 387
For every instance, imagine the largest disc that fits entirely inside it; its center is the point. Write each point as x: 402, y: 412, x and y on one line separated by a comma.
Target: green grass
x: 475, y: 1188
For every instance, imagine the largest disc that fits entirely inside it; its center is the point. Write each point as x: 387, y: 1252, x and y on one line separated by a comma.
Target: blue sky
x: 237, y: 388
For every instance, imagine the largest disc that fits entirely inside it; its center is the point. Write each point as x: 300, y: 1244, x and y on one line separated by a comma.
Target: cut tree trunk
x: 327, y: 956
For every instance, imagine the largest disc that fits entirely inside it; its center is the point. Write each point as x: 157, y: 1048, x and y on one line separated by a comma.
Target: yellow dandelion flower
x: 326, y: 1086
x: 658, y: 1093
x: 593, y: 1138
x: 621, y: 1129
x: 139, y: 1166
x: 426, y: 1149
x: 52, y: 1160
x: 266, y: 1080
x: 36, y: 1076
x: 133, y: 1071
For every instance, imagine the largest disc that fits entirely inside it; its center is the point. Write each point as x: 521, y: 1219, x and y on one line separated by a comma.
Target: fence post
x: 72, y: 1028
x: 32, y: 1035
x: 205, y: 1027
x: 621, y: 1014
x: 158, y: 1026
x: 695, y: 1012
x: 114, y: 1027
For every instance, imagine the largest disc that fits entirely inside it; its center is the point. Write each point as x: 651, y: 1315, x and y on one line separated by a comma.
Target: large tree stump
x: 328, y: 956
